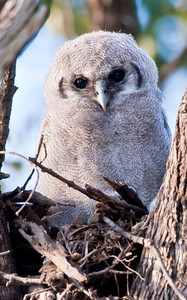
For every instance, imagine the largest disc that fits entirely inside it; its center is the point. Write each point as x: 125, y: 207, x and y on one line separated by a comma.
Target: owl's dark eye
x: 80, y: 83
x: 117, y: 75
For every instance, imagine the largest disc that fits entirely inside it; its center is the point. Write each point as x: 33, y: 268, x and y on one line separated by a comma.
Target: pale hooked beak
x: 102, y: 93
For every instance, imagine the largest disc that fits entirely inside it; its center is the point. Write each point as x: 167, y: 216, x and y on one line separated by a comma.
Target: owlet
x: 104, y: 119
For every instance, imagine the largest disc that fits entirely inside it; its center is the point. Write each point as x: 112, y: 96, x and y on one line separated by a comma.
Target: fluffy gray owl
x: 105, y: 119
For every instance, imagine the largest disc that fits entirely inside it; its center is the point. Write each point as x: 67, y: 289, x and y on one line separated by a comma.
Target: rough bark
x: 7, y: 91
x: 7, y: 262
x: 19, y: 22
x: 167, y: 224
x: 113, y: 15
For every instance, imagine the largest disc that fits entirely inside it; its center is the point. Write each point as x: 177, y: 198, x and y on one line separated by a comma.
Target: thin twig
x: 65, y: 242
x: 148, y: 244
x: 4, y: 253
x: 92, y: 295
x: 32, y: 172
x: 27, y: 296
x: 82, y: 260
x: 81, y: 229
x: 69, y: 286
x: 37, y: 179
x: 133, y: 271
x: 13, y: 279
x: 110, y: 268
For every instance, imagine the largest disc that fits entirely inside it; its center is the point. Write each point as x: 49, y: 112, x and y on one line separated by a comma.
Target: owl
x: 104, y: 119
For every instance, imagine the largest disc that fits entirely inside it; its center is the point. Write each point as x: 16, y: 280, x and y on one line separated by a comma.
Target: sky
x: 29, y: 107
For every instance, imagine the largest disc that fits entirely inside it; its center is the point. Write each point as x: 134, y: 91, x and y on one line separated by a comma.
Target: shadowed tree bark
x: 7, y: 91
x: 113, y: 15
x: 7, y: 262
x: 167, y: 224
x: 19, y: 22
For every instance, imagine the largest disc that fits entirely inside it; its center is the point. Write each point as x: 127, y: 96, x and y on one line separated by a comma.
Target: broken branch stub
x: 52, y: 250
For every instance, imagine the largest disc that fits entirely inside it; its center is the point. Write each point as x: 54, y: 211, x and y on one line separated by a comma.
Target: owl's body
x: 105, y: 119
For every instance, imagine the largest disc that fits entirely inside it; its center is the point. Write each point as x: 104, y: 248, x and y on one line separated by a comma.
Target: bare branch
x: 19, y: 22
x: 168, y: 68
x: 31, y: 295
x: 7, y: 91
x: 91, y: 192
x: 4, y: 253
x: 33, y: 165
x: 54, y: 251
x: 13, y: 279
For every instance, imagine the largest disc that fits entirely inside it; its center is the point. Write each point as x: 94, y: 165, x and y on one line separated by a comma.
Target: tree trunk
x: 6, y: 94
x: 19, y: 22
x: 113, y: 15
x: 167, y: 224
x: 7, y: 262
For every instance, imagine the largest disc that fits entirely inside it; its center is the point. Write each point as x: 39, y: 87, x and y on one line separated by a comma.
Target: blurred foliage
x: 163, y: 25
x: 164, y: 28
x: 15, y: 164
x: 69, y: 18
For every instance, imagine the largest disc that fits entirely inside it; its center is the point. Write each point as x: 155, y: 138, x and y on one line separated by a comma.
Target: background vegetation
x: 160, y: 27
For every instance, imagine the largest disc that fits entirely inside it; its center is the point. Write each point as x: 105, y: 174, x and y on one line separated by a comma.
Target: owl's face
x: 98, y: 71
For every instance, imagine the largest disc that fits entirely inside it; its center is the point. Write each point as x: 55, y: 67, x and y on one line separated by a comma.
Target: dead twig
x: 91, y: 192
x: 13, y: 279
x: 5, y: 253
x: 68, y: 288
x: 132, y: 271
x: 32, y: 172
x: 37, y: 179
x: 29, y: 296
x: 126, y: 193
x: 97, y: 194
x: 54, y: 251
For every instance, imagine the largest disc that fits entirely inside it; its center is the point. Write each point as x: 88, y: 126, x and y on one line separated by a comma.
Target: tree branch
x: 54, y: 251
x: 15, y: 280
x: 168, y: 68
x: 91, y: 192
x: 7, y: 91
x: 20, y: 21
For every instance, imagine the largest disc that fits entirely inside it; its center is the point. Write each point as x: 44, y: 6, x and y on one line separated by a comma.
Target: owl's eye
x: 80, y: 83
x: 117, y: 75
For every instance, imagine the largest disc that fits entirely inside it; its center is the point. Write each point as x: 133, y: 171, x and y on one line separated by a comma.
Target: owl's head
x: 98, y: 71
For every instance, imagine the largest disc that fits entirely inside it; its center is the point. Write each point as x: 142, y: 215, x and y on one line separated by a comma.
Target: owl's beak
x: 102, y: 93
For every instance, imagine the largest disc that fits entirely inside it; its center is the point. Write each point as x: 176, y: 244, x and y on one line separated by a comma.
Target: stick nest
x: 88, y: 261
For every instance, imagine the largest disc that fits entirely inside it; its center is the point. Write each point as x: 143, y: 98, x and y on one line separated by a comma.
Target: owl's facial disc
x: 102, y: 93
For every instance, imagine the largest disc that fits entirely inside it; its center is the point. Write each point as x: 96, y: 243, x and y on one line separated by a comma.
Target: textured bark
x: 7, y: 91
x: 167, y: 225
x: 19, y: 22
x: 113, y: 15
x: 7, y: 263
